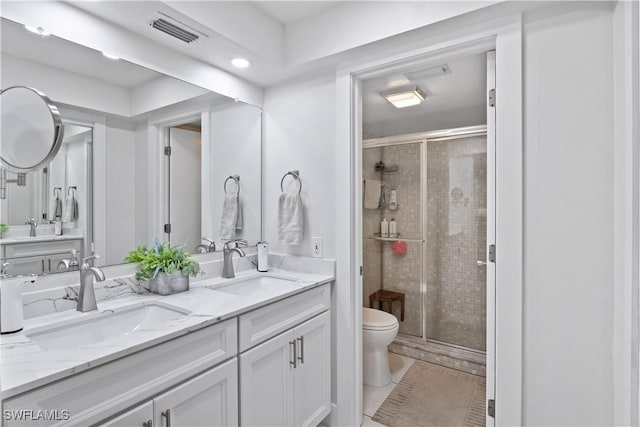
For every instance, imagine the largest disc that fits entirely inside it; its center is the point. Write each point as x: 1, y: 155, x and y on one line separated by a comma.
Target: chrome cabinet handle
x: 295, y: 351
x: 167, y: 415
x: 301, y: 357
x: 148, y: 424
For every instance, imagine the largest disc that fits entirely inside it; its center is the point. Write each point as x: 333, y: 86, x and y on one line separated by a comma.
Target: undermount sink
x: 99, y: 327
x: 259, y: 287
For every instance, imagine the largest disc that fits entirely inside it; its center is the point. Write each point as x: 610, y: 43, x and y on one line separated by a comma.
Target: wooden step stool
x: 384, y: 296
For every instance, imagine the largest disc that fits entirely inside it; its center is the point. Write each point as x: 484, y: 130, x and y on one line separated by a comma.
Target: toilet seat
x: 378, y: 320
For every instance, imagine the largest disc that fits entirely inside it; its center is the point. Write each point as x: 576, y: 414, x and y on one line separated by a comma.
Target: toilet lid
x: 378, y: 319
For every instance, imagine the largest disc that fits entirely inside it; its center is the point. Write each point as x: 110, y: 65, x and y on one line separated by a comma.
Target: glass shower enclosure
x: 432, y: 273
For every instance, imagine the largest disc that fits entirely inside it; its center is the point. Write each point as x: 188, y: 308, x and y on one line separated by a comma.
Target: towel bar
x: 296, y: 175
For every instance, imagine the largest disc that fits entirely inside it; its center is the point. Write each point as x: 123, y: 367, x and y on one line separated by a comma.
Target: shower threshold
x: 451, y: 356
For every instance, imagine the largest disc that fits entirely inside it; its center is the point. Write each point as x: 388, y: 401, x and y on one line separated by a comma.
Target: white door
x: 266, y: 381
x: 210, y: 399
x: 184, y: 188
x: 140, y: 416
x: 312, y: 376
x: 491, y: 236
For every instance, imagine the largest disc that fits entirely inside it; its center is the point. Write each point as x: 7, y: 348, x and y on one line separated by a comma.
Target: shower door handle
x: 481, y: 263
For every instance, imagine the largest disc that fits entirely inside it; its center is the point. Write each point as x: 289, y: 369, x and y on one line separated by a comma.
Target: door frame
x: 505, y: 37
x: 157, y: 135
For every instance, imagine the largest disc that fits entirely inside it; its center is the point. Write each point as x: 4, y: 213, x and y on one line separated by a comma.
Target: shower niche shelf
x: 395, y: 239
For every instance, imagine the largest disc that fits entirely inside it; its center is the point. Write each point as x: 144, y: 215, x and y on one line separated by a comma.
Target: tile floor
x: 372, y: 397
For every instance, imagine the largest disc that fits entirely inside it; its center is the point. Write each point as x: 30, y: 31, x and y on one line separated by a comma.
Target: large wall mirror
x: 145, y: 158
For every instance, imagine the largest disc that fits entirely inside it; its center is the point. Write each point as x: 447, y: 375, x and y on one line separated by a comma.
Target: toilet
x: 379, y: 329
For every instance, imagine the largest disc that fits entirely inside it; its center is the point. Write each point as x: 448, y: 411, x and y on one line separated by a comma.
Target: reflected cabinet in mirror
x: 145, y: 158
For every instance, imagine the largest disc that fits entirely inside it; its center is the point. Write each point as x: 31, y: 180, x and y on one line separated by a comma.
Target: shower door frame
x: 424, y: 138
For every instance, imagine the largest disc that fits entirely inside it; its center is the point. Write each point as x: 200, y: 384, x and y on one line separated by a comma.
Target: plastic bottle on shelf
x: 384, y: 228
x: 393, y: 232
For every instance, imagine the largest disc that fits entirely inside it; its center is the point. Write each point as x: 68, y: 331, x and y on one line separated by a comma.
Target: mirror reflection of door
x: 184, y: 178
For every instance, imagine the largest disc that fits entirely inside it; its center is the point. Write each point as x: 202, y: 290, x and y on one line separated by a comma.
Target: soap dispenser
x: 263, y: 257
x: 11, y: 313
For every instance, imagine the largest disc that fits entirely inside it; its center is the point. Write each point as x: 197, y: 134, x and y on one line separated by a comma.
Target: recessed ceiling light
x: 240, y: 62
x: 110, y: 56
x: 405, y: 96
x: 37, y: 30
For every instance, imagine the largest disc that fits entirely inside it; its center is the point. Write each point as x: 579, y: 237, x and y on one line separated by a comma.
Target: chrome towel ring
x: 235, y: 178
x: 296, y: 175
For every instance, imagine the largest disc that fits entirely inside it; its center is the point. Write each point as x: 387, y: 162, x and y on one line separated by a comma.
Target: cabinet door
x: 210, y: 399
x: 27, y: 265
x: 266, y: 382
x: 140, y: 416
x: 312, y: 377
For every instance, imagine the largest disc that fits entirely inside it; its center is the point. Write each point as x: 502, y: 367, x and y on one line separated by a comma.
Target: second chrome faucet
x: 228, y: 251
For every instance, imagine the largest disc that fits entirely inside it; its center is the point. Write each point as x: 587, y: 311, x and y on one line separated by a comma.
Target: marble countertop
x: 38, y: 239
x: 24, y: 365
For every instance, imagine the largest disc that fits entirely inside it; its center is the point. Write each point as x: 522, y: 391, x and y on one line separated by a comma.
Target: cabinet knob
x: 167, y: 416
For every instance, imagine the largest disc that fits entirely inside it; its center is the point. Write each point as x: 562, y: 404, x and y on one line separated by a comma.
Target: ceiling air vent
x: 174, y: 28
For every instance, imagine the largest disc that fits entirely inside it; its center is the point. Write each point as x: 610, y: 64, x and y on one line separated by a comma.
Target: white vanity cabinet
x: 172, y: 370
x: 209, y: 399
x: 285, y: 379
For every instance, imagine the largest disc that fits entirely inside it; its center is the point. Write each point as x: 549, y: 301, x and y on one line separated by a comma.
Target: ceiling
x: 462, y: 91
x: 286, y: 12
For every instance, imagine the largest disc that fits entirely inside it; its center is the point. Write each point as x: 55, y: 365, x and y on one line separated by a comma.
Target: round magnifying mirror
x: 32, y: 130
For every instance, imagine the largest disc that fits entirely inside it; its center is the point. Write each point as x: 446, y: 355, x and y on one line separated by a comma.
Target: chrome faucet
x: 227, y: 269
x: 32, y: 222
x: 211, y: 247
x: 70, y: 264
x: 87, y: 295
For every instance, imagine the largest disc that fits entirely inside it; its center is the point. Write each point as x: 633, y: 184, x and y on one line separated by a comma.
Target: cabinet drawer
x: 133, y: 379
x: 266, y: 322
x: 41, y: 248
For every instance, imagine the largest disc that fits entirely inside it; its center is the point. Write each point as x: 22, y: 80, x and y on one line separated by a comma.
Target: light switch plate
x: 316, y: 247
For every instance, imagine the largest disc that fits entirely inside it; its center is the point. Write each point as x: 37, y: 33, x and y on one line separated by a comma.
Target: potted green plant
x: 165, y: 268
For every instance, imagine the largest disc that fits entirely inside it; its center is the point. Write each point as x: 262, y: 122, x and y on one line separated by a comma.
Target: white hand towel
x: 229, y: 220
x: 71, y: 209
x: 290, y: 219
x: 372, y: 189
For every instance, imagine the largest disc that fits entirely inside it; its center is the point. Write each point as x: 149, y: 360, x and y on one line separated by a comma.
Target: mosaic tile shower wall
x: 455, y: 206
x: 383, y: 269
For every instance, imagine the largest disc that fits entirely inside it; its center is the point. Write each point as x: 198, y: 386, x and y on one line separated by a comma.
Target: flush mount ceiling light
x: 110, y: 56
x: 37, y: 30
x: 405, y: 96
x: 240, y: 63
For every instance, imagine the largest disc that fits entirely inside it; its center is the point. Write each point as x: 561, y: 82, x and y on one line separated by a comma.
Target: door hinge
x: 167, y: 150
x: 492, y: 253
x: 361, y: 270
x: 491, y: 408
x: 492, y: 98
x: 167, y: 228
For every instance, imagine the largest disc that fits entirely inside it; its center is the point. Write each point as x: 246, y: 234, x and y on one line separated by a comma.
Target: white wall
x: 300, y: 135
x: 568, y: 220
x: 236, y: 135
x: 568, y: 279
x: 121, y: 197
